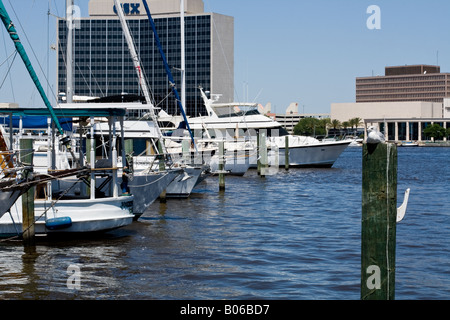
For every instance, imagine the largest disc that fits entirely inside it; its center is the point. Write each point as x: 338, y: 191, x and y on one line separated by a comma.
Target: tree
x: 335, y: 124
x: 310, y: 127
x: 354, y: 122
x: 345, y: 125
x: 435, y: 131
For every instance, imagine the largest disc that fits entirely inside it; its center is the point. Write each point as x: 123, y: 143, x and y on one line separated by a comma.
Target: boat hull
x: 86, y: 215
x: 304, y: 155
x: 322, y: 155
x: 146, y: 188
x: 182, y: 186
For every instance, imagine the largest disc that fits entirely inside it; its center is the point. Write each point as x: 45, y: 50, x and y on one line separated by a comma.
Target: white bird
x: 374, y: 136
x: 401, y: 211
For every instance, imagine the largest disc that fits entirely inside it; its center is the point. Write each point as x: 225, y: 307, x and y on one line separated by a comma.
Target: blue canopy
x: 35, y: 122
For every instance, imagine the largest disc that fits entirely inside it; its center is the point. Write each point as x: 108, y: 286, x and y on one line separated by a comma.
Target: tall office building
x: 102, y: 63
x: 405, y: 83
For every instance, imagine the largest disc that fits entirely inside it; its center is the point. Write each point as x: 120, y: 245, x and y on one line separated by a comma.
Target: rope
x: 150, y: 183
x: 9, y: 69
x: 14, y: 53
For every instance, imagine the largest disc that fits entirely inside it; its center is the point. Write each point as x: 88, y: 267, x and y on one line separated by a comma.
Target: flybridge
x: 129, y: 8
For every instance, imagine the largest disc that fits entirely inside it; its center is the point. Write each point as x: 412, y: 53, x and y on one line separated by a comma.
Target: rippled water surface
x: 295, y: 235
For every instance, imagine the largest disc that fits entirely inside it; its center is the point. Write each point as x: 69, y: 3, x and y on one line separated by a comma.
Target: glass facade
x: 103, y: 66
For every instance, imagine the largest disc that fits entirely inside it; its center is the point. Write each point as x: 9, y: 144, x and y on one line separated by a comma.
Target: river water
x: 292, y: 236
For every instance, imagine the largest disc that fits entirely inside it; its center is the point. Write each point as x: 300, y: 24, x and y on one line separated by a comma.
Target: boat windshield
x: 236, y: 111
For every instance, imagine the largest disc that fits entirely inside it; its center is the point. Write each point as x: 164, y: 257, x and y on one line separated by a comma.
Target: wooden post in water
x: 258, y: 154
x: 28, y: 231
x: 263, y: 153
x: 221, y: 166
x: 162, y: 167
x: 286, y: 153
x: 379, y: 221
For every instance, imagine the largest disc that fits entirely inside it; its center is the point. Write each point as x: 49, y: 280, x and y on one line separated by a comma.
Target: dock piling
x: 221, y: 166
x: 286, y: 153
x: 162, y: 167
x: 28, y: 231
x: 263, y: 153
x: 379, y: 216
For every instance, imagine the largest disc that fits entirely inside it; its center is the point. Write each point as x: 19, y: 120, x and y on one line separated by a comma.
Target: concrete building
x: 405, y: 83
x: 402, y: 103
x: 292, y: 117
x: 400, y: 121
x: 103, y: 67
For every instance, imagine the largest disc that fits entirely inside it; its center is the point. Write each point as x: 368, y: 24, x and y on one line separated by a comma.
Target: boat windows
x: 236, y: 111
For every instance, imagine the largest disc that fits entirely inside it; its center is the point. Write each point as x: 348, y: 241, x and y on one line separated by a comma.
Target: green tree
x: 354, y: 122
x: 335, y: 124
x: 345, y: 125
x: 435, y: 131
x: 310, y: 127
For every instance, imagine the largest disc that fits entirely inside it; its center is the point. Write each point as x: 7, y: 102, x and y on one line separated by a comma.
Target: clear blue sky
x: 305, y: 51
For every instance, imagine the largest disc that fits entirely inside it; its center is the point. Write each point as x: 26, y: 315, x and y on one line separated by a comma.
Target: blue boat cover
x: 35, y: 122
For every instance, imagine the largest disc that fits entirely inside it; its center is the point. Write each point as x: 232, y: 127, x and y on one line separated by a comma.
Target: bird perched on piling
x: 374, y: 136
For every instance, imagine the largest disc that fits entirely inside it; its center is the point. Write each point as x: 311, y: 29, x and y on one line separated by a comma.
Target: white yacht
x: 243, y: 121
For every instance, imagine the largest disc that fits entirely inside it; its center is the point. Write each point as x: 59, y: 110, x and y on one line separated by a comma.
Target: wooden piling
x: 258, y: 154
x: 28, y: 231
x: 286, y: 153
x: 162, y: 167
x: 379, y: 214
x: 263, y: 153
x: 221, y: 166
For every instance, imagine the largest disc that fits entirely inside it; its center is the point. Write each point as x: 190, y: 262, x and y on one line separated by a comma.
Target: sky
x: 303, y: 51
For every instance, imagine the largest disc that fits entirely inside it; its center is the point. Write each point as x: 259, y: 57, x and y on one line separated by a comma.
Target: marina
x: 113, y: 198
x: 295, y: 235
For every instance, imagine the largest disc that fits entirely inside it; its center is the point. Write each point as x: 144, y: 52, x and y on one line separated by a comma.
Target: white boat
x: 68, y: 216
x: 237, y: 157
x: 64, y: 208
x: 409, y: 144
x: 177, y: 181
x: 234, y: 121
x: 78, y: 216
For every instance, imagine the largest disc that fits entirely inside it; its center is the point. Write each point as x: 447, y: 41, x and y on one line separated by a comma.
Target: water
x: 292, y: 236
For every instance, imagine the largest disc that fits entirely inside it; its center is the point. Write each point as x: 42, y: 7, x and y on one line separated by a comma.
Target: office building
x: 402, y: 103
x: 405, y: 83
x: 103, y: 67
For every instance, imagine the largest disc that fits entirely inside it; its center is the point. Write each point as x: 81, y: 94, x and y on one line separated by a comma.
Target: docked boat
x: 237, y: 154
x: 243, y: 122
x: 141, y: 147
x: 76, y: 216
x: 62, y: 206
x: 69, y: 215
x: 409, y: 144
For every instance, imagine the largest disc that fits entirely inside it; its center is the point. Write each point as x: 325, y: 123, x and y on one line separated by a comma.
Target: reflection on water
x: 295, y: 235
